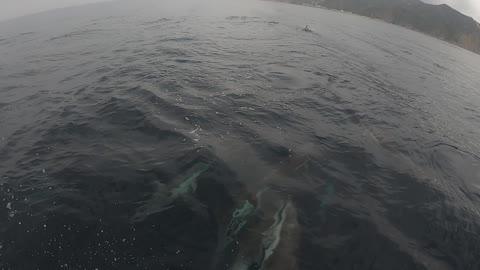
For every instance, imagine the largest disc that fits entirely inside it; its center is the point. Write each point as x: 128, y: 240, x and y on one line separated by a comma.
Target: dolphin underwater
x: 162, y: 200
x: 264, y: 233
x: 271, y: 242
x: 259, y: 231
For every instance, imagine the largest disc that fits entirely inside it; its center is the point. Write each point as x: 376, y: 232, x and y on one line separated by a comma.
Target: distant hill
x: 440, y: 21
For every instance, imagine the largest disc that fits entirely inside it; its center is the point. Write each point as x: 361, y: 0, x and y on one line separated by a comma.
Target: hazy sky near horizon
x: 10, y: 9
x: 16, y: 8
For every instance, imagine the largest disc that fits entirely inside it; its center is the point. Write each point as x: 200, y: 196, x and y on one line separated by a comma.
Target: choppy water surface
x: 220, y: 136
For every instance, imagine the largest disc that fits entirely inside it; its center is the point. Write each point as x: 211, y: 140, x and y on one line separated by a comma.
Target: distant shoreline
x: 376, y: 19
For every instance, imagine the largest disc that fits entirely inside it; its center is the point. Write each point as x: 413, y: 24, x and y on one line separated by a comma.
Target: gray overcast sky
x: 15, y: 8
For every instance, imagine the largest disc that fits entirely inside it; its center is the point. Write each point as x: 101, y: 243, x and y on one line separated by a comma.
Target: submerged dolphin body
x: 161, y: 200
x: 238, y: 221
x: 269, y: 237
x: 265, y: 237
x: 329, y: 192
x: 262, y: 232
x: 241, y: 219
x: 280, y: 241
x: 274, y: 248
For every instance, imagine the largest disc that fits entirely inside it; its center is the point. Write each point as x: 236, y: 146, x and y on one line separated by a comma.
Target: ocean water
x: 219, y: 135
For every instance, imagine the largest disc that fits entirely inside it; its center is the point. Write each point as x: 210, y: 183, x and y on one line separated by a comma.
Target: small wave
x: 189, y: 61
x: 177, y: 39
x: 79, y: 33
x: 26, y: 34
x: 241, y: 18
x: 156, y: 21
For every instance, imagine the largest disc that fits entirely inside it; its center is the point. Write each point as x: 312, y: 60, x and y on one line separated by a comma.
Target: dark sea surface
x: 219, y: 135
